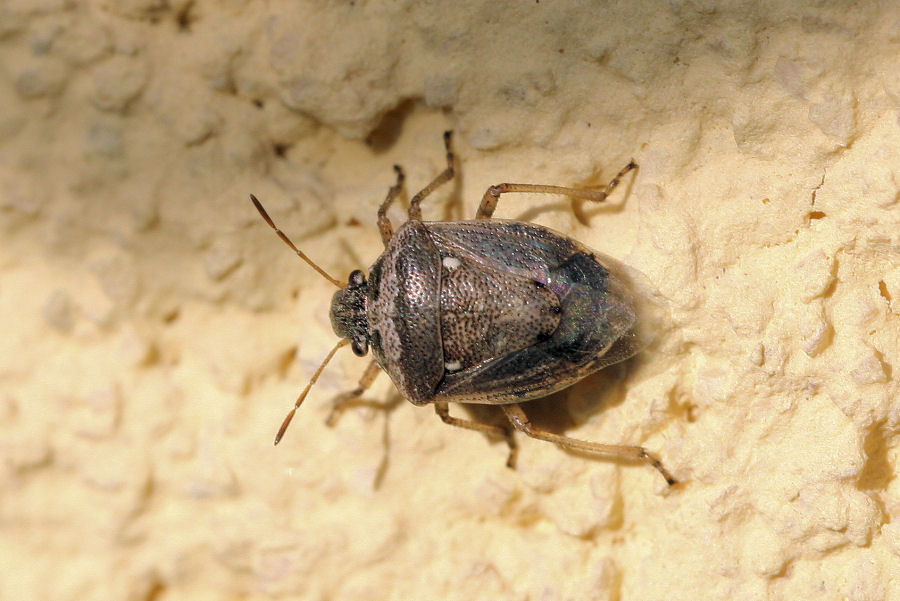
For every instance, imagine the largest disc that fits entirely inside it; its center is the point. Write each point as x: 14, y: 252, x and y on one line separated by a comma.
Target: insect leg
x: 415, y: 212
x: 521, y: 422
x: 352, y: 398
x: 492, y: 195
x: 384, y: 224
x: 443, y: 411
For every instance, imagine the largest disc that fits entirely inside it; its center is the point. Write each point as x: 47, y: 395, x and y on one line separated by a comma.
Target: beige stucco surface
x: 155, y: 331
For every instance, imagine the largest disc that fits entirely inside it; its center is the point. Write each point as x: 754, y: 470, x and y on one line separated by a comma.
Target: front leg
x: 384, y: 224
x: 352, y: 398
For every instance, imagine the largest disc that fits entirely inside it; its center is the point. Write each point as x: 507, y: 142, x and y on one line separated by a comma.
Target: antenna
x: 290, y: 415
x: 287, y: 241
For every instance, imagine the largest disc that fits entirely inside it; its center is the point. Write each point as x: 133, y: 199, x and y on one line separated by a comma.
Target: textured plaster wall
x: 155, y: 331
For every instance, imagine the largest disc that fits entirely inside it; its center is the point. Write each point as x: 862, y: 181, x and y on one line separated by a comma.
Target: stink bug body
x: 487, y: 311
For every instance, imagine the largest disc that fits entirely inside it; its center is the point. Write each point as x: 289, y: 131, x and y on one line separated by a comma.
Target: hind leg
x: 492, y: 195
x: 520, y: 421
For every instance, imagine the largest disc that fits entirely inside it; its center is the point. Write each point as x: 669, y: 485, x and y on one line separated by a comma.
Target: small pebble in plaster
x: 134, y: 350
x: 713, y: 384
x: 762, y: 550
x: 135, y: 9
x: 19, y: 196
x: 59, y: 311
x: 826, y: 515
x: 848, y: 400
x: 97, y: 415
x: 867, y: 581
x: 13, y: 22
x: 814, y: 339
x: 485, y: 139
x: 578, y: 513
x: 210, y: 477
x: 117, y: 82
x: 441, y: 90
x: 890, y: 81
x: 104, y: 139
x: 442, y: 332
x: 83, y: 42
x: 835, y: 116
x: 604, y: 580
x: 756, y: 355
x: 43, y: 35
x: 776, y: 355
x: 287, y: 565
x: 117, y: 278
x: 814, y: 330
x: 195, y: 124
x: 9, y: 409
x: 787, y: 74
x: 29, y: 453
x: 42, y: 79
x: 96, y: 306
x: 492, y: 497
x: 890, y: 533
x: 221, y: 261
x: 868, y: 370
x: 815, y: 274
x: 858, y: 307
x: 109, y: 473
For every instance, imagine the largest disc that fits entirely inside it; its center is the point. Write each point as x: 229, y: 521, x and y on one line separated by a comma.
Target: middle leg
x: 442, y: 408
x: 384, y: 224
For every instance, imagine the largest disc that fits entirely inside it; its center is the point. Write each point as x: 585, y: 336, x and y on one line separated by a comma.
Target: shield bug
x: 488, y: 311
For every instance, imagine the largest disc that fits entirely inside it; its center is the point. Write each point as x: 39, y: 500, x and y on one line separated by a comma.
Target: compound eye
x: 359, y: 347
x: 357, y: 278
